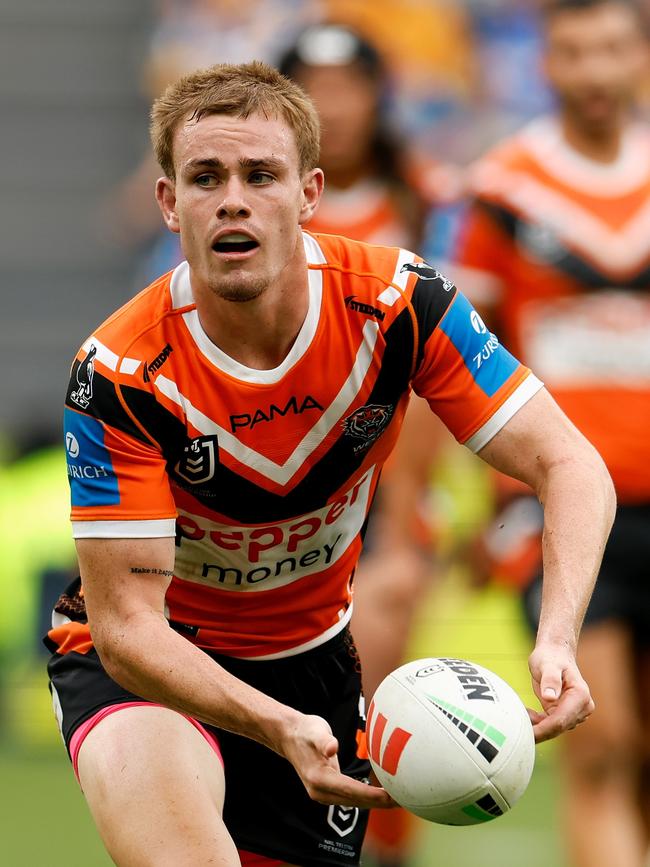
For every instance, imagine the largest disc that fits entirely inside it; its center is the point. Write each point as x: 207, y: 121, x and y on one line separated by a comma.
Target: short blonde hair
x: 237, y: 90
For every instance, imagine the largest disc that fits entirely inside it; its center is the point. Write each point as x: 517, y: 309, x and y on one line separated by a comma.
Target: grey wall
x: 72, y: 123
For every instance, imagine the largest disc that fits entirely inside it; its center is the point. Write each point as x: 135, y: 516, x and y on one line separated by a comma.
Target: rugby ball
x: 450, y: 740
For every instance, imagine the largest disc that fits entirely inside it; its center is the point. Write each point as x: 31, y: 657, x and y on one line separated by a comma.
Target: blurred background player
x: 555, y: 249
x: 371, y: 195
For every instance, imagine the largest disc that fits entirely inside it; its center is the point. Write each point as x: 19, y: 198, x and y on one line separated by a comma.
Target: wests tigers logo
x: 368, y: 423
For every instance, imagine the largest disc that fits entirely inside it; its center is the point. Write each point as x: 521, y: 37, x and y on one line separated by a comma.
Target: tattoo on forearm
x: 138, y: 570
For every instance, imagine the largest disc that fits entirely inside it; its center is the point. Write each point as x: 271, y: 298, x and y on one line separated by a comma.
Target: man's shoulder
x: 356, y: 258
x: 139, y: 315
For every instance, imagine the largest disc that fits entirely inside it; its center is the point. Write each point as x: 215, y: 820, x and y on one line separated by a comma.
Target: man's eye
x: 205, y: 181
x: 260, y: 178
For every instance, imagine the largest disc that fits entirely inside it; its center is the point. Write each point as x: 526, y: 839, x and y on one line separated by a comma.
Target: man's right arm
x: 125, y: 582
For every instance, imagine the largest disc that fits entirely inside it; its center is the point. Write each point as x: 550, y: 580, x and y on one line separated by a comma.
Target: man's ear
x: 166, y: 198
x: 313, y: 183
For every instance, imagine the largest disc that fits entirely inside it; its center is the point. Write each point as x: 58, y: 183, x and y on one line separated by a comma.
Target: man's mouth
x: 235, y: 242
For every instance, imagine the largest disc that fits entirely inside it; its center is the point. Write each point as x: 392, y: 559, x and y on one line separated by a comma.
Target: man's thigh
x: 155, y: 788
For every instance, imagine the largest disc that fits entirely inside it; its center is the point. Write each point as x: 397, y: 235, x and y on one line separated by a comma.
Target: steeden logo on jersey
x: 366, y: 309
x: 154, y: 366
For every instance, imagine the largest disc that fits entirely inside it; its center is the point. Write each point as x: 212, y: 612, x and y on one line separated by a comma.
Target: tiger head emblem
x: 367, y: 423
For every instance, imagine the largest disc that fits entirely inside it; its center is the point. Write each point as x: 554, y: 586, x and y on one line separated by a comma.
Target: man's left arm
x: 541, y: 447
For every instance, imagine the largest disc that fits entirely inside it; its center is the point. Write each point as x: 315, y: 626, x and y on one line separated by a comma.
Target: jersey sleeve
x: 119, y: 486
x: 469, y: 379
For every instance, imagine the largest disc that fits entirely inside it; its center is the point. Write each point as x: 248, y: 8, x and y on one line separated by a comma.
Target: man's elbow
x: 597, y: 482
x: 114, y: 653
x: 609, y: 491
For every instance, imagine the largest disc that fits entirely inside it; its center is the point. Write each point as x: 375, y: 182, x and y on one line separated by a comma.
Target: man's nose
x: 233, y: 203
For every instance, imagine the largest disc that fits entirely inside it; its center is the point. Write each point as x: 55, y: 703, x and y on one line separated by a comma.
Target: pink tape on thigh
x: 80, y: 733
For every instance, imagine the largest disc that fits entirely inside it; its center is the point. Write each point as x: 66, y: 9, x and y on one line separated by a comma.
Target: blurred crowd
x: 411, y: 94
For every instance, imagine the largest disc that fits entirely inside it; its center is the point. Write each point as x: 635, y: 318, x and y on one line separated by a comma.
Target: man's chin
x: 239, y: 291
x: 600, y: 116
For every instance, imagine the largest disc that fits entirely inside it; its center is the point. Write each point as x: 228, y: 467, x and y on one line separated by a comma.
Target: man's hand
x: 561, y: 689
x: 311, y: 748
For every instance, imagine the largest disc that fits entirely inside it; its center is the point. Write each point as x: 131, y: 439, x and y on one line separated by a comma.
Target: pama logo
x: 367, y: 423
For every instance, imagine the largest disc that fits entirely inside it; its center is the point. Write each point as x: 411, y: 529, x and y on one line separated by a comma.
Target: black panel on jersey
x: 167, y: 430
x: 565, y: 261
x: 431, y: 300
x: 104, y: 404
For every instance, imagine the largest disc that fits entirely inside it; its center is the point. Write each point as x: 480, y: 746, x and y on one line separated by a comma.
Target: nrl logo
x: 199, y: 461
x: 426, y: 272
x: 85, y: 372
x: 342, y: 819
x: 368, y: 423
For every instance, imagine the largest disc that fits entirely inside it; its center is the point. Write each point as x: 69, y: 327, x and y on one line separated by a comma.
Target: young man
x: 556, y: 250
x: 223, y: 455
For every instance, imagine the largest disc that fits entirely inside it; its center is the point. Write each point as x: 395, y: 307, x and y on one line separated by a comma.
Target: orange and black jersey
x: 265, y: 477
x: 559, y: 248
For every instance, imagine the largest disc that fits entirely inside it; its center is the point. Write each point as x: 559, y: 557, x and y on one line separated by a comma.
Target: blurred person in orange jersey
x: 380, y: 192
x: 555, y: 249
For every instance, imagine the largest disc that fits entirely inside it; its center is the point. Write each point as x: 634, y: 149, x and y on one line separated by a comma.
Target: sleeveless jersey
x: 559, y: 247
x: 265, y: 477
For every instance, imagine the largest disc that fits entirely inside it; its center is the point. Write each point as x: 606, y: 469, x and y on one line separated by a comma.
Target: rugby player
x: 556, y: 253
x: 223, y: 455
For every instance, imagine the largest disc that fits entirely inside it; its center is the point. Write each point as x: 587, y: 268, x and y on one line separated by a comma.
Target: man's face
x: 594, y: 60
x: 346, y: 99
x: 238, y: 201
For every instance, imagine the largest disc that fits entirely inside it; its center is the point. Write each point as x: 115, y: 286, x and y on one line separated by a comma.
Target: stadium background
x: 74, y: 126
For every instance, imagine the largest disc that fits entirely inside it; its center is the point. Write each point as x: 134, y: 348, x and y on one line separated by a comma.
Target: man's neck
x: 602, y: 145
x: 260, y: 333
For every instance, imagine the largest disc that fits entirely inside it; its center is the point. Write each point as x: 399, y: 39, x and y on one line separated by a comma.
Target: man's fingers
x: 551, y: 685
x: 331, y: 748
x: 572, y: 710
x: 336, y: 788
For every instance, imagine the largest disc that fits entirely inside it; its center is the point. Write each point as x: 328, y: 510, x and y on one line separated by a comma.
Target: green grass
x: 45, y: 820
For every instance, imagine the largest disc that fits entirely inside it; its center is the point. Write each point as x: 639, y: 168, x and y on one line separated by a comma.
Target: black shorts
x: 622, y: 591
x: 267, y: 809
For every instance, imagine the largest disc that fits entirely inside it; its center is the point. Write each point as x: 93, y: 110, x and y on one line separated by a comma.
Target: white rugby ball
x: 450, y: 740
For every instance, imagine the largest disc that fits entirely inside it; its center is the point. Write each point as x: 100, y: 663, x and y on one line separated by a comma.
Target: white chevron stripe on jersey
x: 390, y: 295
x: 618, y: 249
x: 282, y: 474
x: 109, y: 359
x: 544, y: 139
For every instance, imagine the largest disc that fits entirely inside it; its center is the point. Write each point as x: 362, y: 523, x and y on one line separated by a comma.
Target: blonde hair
x: 238, y: 90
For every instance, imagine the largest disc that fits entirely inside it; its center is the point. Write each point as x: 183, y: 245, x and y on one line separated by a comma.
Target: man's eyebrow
x: 263, y: 162
x: 203, y: 163
x: 246, y: 163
